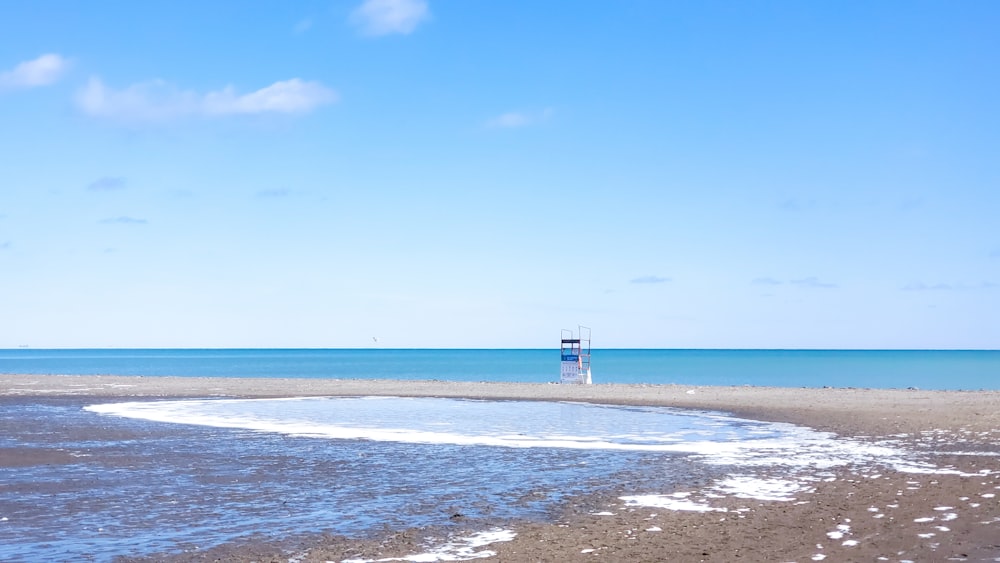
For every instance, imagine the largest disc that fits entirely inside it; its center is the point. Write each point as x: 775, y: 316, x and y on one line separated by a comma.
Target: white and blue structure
x: 575, y: 354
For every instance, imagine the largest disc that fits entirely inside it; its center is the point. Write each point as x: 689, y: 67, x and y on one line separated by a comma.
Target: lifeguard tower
x: 575, y: 353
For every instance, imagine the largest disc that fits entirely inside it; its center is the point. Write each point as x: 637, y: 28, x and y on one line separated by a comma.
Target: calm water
x: 169, y: 476
x: 146, y: 477
x: 925, y: 369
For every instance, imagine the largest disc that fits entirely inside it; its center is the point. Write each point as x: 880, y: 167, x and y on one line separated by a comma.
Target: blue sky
x: 471, y: 173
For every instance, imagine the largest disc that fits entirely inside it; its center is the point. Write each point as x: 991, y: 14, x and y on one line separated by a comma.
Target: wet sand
x: 856, y: 516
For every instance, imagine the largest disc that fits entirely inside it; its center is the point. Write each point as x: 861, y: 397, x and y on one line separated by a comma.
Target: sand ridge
x: 852, y: 411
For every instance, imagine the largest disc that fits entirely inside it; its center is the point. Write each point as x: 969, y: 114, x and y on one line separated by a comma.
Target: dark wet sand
x: 963, y: 428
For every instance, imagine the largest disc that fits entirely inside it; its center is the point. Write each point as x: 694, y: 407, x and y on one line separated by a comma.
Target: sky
x: 484, y: 173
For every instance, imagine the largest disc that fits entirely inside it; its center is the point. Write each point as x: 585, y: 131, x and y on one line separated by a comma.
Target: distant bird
x: 375, y: 339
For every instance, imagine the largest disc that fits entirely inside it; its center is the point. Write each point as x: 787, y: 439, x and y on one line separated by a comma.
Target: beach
x: 855, y: 515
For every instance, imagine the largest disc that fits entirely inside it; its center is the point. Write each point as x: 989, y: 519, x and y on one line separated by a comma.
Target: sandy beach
x: 888, y: 516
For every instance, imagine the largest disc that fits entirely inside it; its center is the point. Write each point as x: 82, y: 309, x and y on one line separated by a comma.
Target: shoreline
x: 842, y: 410
x: 858, y: 513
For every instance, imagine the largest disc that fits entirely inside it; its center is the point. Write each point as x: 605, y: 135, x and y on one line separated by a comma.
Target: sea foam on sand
x: 755, y: 450
x: 458, y: 549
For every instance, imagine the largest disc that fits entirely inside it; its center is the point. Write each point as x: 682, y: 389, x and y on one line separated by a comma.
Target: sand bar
x: 848, y: 411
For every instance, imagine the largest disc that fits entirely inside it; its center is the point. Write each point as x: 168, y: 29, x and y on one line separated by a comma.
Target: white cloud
x: 517, y: 119
x: 146, y: 101
x: 385, y: 17
x: 289, y: 96
x: 42, y: 71
x: 158, y: 100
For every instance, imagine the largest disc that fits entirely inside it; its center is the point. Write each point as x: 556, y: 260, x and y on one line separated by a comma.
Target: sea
x: 91, y: 479
x: 923, y: 369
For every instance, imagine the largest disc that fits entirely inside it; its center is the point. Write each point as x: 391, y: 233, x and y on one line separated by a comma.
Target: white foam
x: 459, y: 549
x: 841, y: 531
x: 745, y: 486
x: 670, y: 502
x: 805, y: 456
x: 258, y: 415
x: 757, y: 445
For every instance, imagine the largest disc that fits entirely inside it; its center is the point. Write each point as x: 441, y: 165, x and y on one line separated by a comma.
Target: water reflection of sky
x: 457, y: 421
x: 151, y: 476
x: 133, y: 486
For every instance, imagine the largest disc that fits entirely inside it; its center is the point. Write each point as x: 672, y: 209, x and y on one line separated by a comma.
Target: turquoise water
x: 924, y: 369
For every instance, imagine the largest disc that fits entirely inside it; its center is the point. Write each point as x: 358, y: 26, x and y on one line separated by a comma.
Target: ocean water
x: 144, y: 477
x: 924, y: 369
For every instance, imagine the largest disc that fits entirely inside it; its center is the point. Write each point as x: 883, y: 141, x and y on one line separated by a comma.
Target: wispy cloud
x: 289, y: 96
x: 386, y: 17
x: 275, y: 192
x: 42, y: 71
x: 649, y: 279
x: 765, y: 281
x: 107, y: 184
x: 123, y: 220
x: 158, y: 100
x: 813, y: 282
x: 518, y: 119
x: 921, y: 286
x: 795, y: 204
x: 303, y: 26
